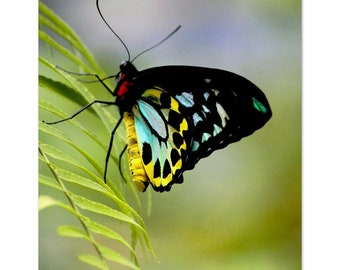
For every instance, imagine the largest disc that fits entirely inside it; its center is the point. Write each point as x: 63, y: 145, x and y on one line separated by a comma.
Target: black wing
x: 222, y: 107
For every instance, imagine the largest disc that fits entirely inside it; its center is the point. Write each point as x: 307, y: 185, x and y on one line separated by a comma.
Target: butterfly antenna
x: 157, y: 44
x: 114, y: 32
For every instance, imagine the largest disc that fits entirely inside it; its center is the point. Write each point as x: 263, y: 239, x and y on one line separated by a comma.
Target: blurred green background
x: 240, y: 208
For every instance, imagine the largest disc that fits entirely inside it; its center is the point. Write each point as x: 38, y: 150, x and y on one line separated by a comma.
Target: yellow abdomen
x: 137, y: 171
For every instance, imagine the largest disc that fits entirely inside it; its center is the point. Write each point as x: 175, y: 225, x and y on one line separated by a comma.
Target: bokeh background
x: 240, y: 208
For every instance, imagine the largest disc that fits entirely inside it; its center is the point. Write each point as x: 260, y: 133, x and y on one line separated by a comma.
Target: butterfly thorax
x: 126, y: 91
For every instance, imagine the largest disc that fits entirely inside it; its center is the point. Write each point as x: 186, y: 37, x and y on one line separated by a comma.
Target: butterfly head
x: 125, y: 91
x: 128, y: 70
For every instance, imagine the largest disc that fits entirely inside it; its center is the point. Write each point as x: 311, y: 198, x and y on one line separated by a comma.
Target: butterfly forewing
x: 221, y: 107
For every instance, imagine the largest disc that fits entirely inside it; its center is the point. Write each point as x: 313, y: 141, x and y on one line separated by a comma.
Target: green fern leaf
x: 70, y: 176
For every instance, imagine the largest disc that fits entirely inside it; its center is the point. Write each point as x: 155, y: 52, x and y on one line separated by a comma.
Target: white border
x: 321, y: 135
x: 18, y: 110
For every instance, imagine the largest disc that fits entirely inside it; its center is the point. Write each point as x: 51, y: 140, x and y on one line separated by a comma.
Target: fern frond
x: 69, y: 164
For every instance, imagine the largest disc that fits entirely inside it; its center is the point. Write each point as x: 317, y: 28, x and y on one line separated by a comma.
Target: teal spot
x: 259, y: 106
x: 205, y: 109
x: 196, y: 118
x: 195, y: 145
x: 205, y: 137
x: 206, y: 95
x: 186, y: 99
x: 217, y: 130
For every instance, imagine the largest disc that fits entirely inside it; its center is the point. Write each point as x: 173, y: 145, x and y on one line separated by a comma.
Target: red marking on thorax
x: 123, y: 89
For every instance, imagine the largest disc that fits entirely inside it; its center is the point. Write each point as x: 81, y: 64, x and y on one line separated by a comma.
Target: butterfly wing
x: 220, y: 106
x: 163, y: 137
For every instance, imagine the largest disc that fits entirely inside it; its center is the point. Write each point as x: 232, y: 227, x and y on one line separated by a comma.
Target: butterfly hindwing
x: 163, y: 138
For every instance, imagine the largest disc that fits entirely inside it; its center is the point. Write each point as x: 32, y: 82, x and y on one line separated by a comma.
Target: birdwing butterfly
x: 182, y: 114
x: 176, y: 115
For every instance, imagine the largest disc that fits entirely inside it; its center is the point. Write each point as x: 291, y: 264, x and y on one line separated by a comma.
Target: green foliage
x: 69, y: 168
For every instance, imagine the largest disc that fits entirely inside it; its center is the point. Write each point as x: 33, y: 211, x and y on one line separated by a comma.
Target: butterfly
x: 176, y: 115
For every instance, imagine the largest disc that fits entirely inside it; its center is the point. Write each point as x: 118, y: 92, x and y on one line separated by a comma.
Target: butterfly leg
x: 120, y: 163
x: 81, y: 110
x: 110, y: 147
x: 101, y: 80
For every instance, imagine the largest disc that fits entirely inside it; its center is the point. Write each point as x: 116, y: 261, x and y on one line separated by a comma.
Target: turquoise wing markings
x: 160, y: 138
